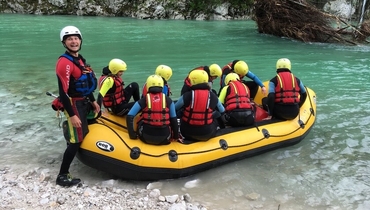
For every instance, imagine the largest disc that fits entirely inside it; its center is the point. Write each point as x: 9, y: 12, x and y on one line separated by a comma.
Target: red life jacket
x: 227, y: 67
x: 115, y: 96
x: 238, y: 98
x: 198, y: 112
x: 156, y: 112
x: 187, y: 81
x: 287, y: 90
x: 225, y: 70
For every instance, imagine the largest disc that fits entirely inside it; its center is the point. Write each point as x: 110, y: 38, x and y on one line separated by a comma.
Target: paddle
x: 50, y: 94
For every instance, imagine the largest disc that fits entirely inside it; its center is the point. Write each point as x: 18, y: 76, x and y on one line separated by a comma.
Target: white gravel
x: 36, y: 189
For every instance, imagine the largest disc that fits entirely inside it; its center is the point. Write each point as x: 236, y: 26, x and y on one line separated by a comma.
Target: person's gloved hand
x: 225, y: 117
x: 264, y: 91
x: 180, y: 139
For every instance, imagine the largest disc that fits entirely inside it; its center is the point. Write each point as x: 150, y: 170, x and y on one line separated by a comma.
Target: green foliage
x: 246, y: 4
x: 241, y: 6
x: 194, y: 7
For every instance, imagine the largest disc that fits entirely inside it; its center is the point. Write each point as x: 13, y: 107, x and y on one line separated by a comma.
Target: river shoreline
x: 36, y: 189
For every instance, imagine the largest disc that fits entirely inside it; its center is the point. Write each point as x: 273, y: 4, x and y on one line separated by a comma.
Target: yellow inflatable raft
x: 108, y: 147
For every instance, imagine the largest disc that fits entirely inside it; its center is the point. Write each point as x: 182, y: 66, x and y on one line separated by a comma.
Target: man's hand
x: 96, y: 107
x: 76, y: 122
x: 104, y: 112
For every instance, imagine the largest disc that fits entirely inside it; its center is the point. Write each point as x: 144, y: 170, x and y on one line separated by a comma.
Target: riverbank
x: 36, y: 189
x: 148, y: 9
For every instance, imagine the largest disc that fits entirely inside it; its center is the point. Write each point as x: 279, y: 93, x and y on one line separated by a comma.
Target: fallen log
x: 299, y: 20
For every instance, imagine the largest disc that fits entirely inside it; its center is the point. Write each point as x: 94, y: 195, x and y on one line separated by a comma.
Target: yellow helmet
x: 283, y: 63
x: 164, y: 71
x: 116, y: 65
x: 198, y: 77
x: 215, y: 70
x: 241, y: 68
x: 154, y: 81
x: 231, y: 77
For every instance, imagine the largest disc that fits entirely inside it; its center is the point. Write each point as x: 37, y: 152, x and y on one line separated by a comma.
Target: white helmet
x: 69, y: 30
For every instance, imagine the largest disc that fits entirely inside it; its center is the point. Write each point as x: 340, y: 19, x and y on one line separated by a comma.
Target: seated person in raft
x: 236, y: 98
x: 158, y: 122
x: 112, y: 91
x: 200, y: 109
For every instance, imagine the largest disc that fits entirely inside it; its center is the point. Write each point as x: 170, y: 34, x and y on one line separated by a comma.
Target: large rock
x: 341, y: 8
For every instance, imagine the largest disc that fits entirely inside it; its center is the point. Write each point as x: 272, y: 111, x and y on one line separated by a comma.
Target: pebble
x: 192, y: 184
x: 252, y: 196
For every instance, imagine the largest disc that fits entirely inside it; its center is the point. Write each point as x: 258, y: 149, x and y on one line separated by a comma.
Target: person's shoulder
x: 213, y: 95
x: 299, y: 81
x: 187, y: 93
x: 142, y: 102
x: 226, y: 71
x: 273, y: 79
x: 225, y: 88
x: 186, y: 96
x: 63, y: 60
x: 168, y: 99
x: 62, y: 64
x: 108, y: 79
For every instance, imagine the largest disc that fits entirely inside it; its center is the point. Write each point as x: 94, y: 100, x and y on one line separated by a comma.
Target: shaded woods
x: 302, y: 21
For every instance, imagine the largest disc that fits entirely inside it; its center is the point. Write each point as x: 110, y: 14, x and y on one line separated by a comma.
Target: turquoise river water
x: 329, y: 169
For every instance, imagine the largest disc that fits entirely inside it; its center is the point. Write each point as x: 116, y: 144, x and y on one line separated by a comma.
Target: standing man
x: 76, y: 83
